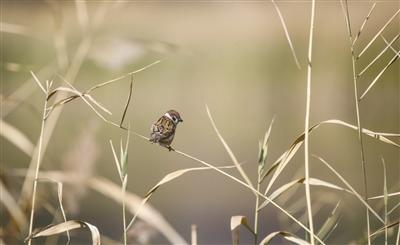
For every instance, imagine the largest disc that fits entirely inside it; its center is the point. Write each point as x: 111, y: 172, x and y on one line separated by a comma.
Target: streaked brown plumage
x: 163, y: 131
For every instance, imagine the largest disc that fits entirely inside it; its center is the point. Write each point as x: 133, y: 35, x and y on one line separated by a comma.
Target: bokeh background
x: 232, y: 56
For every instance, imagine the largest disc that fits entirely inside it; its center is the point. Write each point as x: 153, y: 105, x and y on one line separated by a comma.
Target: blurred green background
x: 232, y: 56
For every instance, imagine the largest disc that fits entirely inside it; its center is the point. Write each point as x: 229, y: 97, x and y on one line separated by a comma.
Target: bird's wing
x: 163, y: 128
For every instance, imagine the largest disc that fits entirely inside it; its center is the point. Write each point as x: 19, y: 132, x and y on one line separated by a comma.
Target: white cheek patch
x: 168, y: 115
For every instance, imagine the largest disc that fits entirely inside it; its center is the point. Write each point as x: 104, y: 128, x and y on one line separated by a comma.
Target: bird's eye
x: 174, y: 118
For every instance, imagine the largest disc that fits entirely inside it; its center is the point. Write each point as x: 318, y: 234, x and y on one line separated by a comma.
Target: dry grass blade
x: 117, y: 163
x: 77, y: 94
x: 38, y: 82
x: 112, y: 191
x: 59, y: 195
x: 387, y: 43
x: 382, y: 196
x: 394, y: 208
x: 395, y: 57
x: 287, y: 235
x: 264, y: 146
x: 12, y: 207
x: 65, y: 226
x: 313, y: 182
x: 168, y: 178
x: 228, y: 149
x: 330, y: 223
x: 171, y: 176
x: 379, y: 33
x: 363, y: 24
x: 379, y: 55
x: 88, y: 103
x: 286, y: 33
x: 127, y: 101
x: 350, y: 188
x: 122, y: 77
x: 16, y: 137
x: 236, y: 222
x: 282, y: 161
x: 133, y: 202
x: 382, y: 229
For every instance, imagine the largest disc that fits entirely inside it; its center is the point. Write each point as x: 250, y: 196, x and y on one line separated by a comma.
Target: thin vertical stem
x: 124, y: 182
x: 307, y: 124
x: 256, y: 211
x: 356, y: 100
x: 38, y: 161
x: 194, y: 235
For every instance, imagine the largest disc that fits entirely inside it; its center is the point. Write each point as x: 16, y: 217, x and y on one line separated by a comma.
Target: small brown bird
x: 163, y: 131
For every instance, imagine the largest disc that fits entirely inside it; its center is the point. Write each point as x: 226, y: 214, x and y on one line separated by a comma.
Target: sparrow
x: 163, y: 131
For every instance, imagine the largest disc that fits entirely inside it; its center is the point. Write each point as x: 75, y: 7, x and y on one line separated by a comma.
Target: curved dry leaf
x: 65, y: 226
x: 16, y: 137
x: 312, y: 181
x: 171, y: 176
x: 133, y: 204
x: 287, y: 235
x: 236, y: 222
x: 284, y: 159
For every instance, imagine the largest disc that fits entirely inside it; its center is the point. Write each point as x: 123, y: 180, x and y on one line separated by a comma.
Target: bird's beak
x: 180, y: 120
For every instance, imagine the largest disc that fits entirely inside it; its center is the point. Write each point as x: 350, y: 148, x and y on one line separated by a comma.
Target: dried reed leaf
x: 394, y: 208
x: 65, y: 226
x: 286, y: 33
x: 228, y: 149
x: 287, y: 235
x: 116, y: 161
x: 59, y: 195
x: 388, y: 45
x: 121, y: 77
x: 330, y: 224
x: 38, y: 82
x: 350, y: 188
x: 382, y: 196
x: 171, y: 176
x: 395, y: 57
x: 312, y: 181
x: 133, y: 204
x: 382, y: 229
x: 284, y: 159
x: 77, y: 94
x: 236, y: 222
x: 16, y: 137
x: 264, y: 146
x: 128, y: 100
x: 379, y: 32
